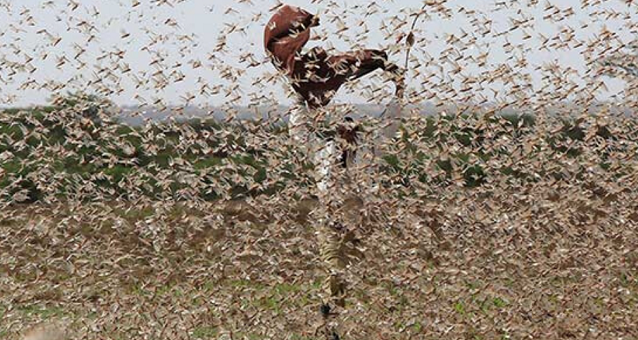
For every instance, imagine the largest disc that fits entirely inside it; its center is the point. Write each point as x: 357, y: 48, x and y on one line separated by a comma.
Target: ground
x: 215, y: 270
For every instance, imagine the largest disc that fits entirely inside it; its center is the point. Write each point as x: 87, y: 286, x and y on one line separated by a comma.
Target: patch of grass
x: 317, y: 284
x: 205, y: 332
x: 209, y: 286
x: 392, y: 289
x: 140, y: 291
x: 399, y: 325
x: 163, y: 290
x: 287, y: 288
x: 499, y: 303
x: 42, y: 311
x: 242, y: 283
x: 270, y: 303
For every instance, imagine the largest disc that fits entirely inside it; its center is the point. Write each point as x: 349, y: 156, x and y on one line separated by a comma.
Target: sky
x: 210, y: 52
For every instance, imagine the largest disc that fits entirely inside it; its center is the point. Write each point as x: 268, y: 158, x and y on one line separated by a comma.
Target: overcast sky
x: 166, y: 51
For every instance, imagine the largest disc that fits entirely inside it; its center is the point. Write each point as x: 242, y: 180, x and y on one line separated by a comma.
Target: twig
x: 410, y: 38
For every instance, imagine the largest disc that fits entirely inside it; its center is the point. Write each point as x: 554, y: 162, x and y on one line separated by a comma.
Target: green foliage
x: 205, y: 332
x: 109, y: 154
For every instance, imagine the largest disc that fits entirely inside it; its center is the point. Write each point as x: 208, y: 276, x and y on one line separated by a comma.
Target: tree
x: 89, y: 106
x: 624, y: 64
